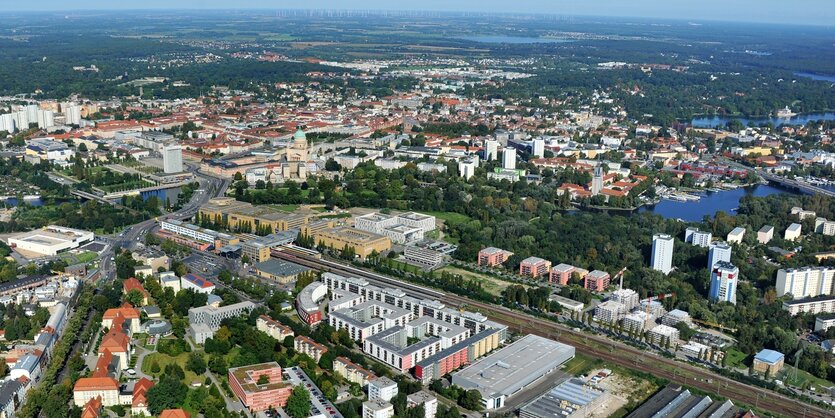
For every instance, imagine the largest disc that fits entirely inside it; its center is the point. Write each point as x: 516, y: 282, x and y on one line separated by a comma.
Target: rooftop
x: 769, y: 356
x: 280, y: 268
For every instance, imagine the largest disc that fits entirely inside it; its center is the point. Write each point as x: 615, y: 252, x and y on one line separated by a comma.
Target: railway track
x: 596, y: 346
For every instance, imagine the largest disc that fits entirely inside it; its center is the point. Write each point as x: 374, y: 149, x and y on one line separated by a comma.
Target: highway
x: 592, y: 345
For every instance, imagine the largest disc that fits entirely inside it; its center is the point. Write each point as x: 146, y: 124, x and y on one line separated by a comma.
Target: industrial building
x: 572, y: 398
x: 279, y: 271
x: 676, y: 402
x: 362, y: 242
x: 504, y: 373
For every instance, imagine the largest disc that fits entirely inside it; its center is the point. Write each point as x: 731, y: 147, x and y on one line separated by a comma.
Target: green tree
x: 298, y: 405
x: 196, y: 363
x: 168, y: 393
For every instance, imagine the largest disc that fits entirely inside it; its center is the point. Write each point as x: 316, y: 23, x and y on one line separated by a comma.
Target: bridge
x: 90, y: 196
x: 794, y: 184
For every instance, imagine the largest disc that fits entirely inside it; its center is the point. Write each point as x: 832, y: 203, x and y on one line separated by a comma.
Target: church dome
x: 299, y: 135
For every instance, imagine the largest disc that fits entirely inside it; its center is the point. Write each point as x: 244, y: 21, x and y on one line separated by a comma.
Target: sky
x: 816, y: 12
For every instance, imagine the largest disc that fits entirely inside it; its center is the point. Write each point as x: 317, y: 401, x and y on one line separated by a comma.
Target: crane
x: 620, y: 275
x: 648, y: 302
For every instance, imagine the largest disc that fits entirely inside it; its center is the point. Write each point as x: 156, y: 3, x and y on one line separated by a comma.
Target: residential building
x: 768, y: 362
x: 509, y: 158
x: 467, y: 167
x: 825, y: 227
x: 724, y: 280
x: 305, y: 345
x: 259, y: 393
x: 534, y: 267
x: 492, y: 256
x: 609, y: 312
x: 309, y: 302
x: 805, y: 282
x: 491, y: 150
x: 429, y: 402
x: 676, y: 316
x: 352, y: 372
x: 273, y: 328
x: 803, y: 214
x: 821, y: 304
x: 792, y: 232
x: 719, y: 251
x: 660, y: 334
x: 596, y: 281
x: 824, y: 322
x: 132, y: 284
x: 638, y: 321
x: 561, y: 274
x: 382, y: 388
x: 377, y: 409
x: 765, y: 234
x: 662, y: 253
x: 736, y: 235
x: 626, y: 297
x: 697, y: 238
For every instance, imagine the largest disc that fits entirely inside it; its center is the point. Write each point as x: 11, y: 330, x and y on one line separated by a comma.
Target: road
x: 210, y: 187
x: 593, y: 345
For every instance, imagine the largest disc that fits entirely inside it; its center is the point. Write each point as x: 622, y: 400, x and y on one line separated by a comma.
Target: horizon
x: 807, y: 13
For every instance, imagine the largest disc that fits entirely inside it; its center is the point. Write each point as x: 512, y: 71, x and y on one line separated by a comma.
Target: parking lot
x: 320, y: 406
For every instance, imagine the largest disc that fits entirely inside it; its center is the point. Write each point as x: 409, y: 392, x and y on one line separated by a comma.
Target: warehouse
x: 513, y: 368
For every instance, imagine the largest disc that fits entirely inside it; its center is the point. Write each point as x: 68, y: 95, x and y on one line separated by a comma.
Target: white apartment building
x: 491, y: 150
x: 368, y: 318
x: 719, y: 251
x: 382, y: 388
x: 662, y: 253
x: 609, y: 312
x: 792, y: 232
x: 765, y: 234
x: 825, y: 227
x: 661, y: 332
x: 429, y: 402
x: 273, y: 328
x: 509, y: 158
x: 377, y: 409
x: 466, y: 167
x: 698, y: 238
x: 626, y: 297
x: 172, y: 158
x: 724, y: 280
x: 638, y: 321
x: 806, y: 282
x: 824, y: 304
x: 736, y: 235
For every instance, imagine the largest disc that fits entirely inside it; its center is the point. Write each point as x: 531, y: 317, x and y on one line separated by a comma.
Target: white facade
x: 698, y: 238
x: 172, y: 158
x: 377, y: 409
x: 509, y: 158
x: 662, y: 253
x: 72, y: 113
x: 627, y: 297
x: 719, y: 251
x: 382, y: 388
x: 466, y: 167
x: 792, y: 232
x: 662, y: 332
x: 805, y: 282
x: 765, y: 234
x: 7, y: 123
x: 736, y: 235
x: 212, y: 316
x: 609, y: 312
x: 429, y: 402
x: 538, y: 147
x: 491, y: 150
x: 724, y: 280
x: 50, y: 240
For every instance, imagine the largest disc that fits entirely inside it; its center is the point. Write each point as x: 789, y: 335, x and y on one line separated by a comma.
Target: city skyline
x: 804, y: 12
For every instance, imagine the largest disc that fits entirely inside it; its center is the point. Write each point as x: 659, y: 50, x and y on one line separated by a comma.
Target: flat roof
x: 769, y: 356
x: 280, y: 268
x: 564, y: 399
x: 514, y: 367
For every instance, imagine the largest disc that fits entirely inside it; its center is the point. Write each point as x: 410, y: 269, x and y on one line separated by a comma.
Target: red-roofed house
x: 133, y: 284
x: 125, y: 314
x: 92, y: 408
x: 139, y: 404
x: 174, y: 413
x: 118, y: 343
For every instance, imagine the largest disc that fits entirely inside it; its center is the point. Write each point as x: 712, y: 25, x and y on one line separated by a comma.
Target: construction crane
x: 620, y: 275
x: 649, y: 301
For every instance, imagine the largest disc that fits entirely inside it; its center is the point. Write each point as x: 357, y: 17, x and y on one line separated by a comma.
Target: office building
x: 792, y: 232
x: 363, y: 243
x: 697, y: 238
x: 382, y: 388
x: 259, y: 386
x: 768, y: 362
x: 805, y: 282
x: 509, y: 158
x: 736, y: 235
x: 172, y: 158
x: 212, y: 316
x: 401, y: 229
x: 231, y: 213
x: 719, y: 251
x: 662, y: 253
x: 467, y: 167
x: 492, y: 256
x: 534, y: 267
x: 724, y: 279
x: 309, y: 302
x: 508, y: 371
x: 765, y: 234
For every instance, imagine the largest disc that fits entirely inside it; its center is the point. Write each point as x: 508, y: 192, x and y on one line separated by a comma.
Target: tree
x: 196, y: 363
x: 263, y: 379
x: 135, y: 297
x: 298, y: 405
x: 471, y: 400
x: 168, y: 393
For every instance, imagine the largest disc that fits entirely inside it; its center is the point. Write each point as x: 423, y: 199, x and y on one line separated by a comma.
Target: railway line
x: 594, y: 345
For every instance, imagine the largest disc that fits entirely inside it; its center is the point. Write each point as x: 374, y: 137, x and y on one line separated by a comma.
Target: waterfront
x: 801, y: 119
x: 502, y: 39
x: 171, y: 194
x: 710, y: 203
x: 819, y: 77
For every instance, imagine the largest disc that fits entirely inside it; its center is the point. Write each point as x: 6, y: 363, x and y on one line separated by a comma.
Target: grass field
x: 736, y: 358
x: 450, y: 217
x: 492, y: 285
x: 803, y: 377
x: 164, y: 360
x: 581, y: 365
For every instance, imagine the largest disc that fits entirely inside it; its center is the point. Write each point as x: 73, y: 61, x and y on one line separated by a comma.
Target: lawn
x: 490, y: 284
x: 164, y: 360
x: 582, y: 365
x: 450, y: 217
x: 286, y: 208
x: 86, y: 257
x: 736, y: 358
x: 803, y: 377
x: 335, y: 216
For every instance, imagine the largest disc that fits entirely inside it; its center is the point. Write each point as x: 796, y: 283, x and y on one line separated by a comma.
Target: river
x: 172, y: 194
x: 709, y: 204
x: 801, y: 119
x: 502, y: 39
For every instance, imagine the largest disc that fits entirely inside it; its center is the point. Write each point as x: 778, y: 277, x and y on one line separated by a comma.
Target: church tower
x: 297, y: 151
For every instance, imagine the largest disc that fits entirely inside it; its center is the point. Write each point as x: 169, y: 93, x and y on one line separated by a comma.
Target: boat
x: 785, y: 113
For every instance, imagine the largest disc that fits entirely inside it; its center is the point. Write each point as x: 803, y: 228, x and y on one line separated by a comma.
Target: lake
x: 12, y: 202
x: 172, y: 194
x: 819, y: 77
x: 502, y: 39
x: 801, y: 119
x: 710, y: 203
